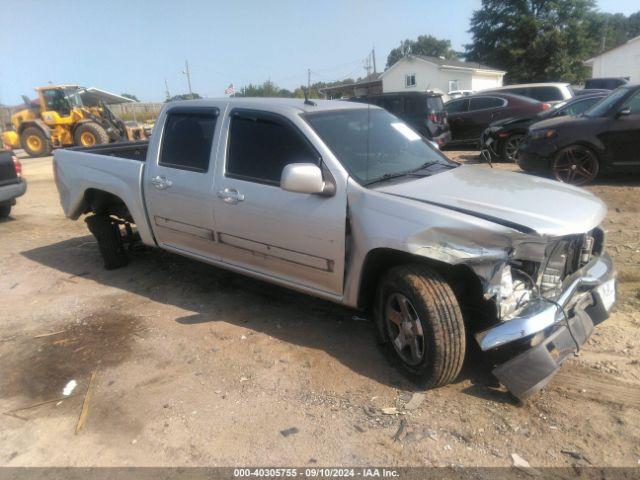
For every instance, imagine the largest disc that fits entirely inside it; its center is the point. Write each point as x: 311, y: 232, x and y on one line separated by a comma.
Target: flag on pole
x: 229, y: 90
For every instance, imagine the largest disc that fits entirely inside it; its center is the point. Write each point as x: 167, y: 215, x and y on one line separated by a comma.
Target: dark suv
x: 605, y: 138
x: 424, y: 111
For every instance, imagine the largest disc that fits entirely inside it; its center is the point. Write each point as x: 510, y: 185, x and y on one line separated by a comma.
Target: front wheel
x: 510, y: 147
x: 90, y: 134
x: 421, y: 324
x: 577, y: 165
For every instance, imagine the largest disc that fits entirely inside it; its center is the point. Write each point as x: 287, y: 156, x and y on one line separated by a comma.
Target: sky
x: 132, y: 46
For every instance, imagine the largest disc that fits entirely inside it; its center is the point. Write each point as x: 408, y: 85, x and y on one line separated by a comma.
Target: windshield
x: 374, y: 145
x: 603, y: 106
x: 73, y: 96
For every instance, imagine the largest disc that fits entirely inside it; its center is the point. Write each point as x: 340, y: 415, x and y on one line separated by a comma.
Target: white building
x: 420, y: 73
x: 621, y: 61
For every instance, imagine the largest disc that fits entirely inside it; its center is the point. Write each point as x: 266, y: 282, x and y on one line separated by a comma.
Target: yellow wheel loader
x: 60, y: 119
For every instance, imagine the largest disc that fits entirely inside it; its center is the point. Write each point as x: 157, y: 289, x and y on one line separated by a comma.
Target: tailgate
x: 7, y: 170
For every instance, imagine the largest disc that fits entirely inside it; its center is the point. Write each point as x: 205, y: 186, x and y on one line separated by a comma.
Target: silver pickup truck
x: 346, y: 202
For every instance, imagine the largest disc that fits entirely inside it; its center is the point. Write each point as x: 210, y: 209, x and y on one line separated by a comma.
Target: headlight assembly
x: 542, y: 134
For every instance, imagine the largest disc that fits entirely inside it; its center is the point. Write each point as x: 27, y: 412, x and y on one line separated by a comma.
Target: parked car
x: 350, y: 204
x: 606, y: 138
x: 12, y: 185
x: 503, y: 137
x: 544, y: 92
x: 424, y: 111
x: 470, y: 116
x: 607, y: 83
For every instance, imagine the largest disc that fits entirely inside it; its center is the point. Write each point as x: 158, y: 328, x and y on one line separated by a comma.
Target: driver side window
x: 262, y: 144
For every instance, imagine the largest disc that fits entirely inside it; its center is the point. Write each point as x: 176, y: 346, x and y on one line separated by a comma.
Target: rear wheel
x: 107, y: 233
x: 35, y: 142
x: 5, y: 210
x: 90, y: 134
x: 577, y: 165
x: 510, y: 147
x: 421, y: 324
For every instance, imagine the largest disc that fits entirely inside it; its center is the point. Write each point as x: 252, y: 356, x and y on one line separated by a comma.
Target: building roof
x: 454, y: 62
x: 634, y: 39
x: 368, y: 80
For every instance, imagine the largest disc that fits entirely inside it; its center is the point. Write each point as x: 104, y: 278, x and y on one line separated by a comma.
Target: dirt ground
x: 197, y: 366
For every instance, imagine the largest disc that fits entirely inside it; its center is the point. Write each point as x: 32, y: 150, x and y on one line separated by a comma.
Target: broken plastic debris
x: 69, y: 388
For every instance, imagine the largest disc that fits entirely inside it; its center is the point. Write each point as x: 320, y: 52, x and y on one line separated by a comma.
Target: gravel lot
x: 197, y: 366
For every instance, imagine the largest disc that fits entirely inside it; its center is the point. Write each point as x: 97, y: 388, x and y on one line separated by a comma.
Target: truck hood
x: 523, y: 202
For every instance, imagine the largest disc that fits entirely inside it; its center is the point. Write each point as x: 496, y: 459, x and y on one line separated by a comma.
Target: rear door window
x: 187, y: 139
x: 457, y: 106
x: 546, y: 94
x: 483, y: 103
x: 262, y: 144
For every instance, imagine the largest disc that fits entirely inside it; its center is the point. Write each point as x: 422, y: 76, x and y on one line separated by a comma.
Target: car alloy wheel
x: 511, y: 147
x: 576, y: 165
x: 405, y: 329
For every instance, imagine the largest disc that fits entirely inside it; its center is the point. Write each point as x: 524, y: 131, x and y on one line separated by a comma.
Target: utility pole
x: 308, y: 81
x: 188, y: 74
x: 166, y: 89
x: 373, y: 55
x: 604, y: 34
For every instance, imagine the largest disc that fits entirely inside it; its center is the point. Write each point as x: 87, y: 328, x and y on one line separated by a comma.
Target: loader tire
x: 421, y: 325
x: 90, y: 134
x: 107, y: 233
x: 35, y: 142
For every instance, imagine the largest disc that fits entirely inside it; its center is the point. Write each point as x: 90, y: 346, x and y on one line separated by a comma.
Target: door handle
x: 231, y: 196
x: 161, y: 183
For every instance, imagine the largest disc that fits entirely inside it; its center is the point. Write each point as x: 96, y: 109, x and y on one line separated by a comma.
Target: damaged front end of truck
x: 541, y: 286
x: 548, y: 298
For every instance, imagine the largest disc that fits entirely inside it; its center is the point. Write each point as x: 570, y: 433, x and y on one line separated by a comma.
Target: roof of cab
x: 294, y: 105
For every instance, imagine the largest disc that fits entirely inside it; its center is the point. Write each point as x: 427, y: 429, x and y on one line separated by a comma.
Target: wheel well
x: 34, y: 123
x: 105, y: 203
x: 466, y: 285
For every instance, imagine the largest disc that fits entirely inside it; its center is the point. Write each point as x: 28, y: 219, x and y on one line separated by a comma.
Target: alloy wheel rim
x: 34, y: 143
x: 405, y: 329
x: 512, y: 146
x: 575, y: 166
x: 87, y: 139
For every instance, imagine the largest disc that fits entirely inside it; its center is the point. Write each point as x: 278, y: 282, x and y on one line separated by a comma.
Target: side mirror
x: 623, y: 112
x: 302, y: 178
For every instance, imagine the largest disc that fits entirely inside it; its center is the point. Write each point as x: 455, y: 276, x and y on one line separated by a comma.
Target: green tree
x: 533, y: 40
x: 423, y: 45
x: 130, y: 96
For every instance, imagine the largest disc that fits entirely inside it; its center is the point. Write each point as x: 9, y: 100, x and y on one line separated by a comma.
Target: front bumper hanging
x: 531, y: 370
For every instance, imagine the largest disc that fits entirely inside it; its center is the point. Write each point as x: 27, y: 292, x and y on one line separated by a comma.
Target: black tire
x: 5, y: 210
x: 107, y: 233
x: 90, y: 130
x: 35, y: 142
x: 576, y: 165
x: 509, y: 147
x: 437, y: 311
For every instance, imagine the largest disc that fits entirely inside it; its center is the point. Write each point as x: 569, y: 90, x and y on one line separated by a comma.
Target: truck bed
x: 130, y: 150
